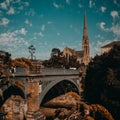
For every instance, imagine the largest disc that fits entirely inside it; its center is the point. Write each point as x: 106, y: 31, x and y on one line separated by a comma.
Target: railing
x: 3, y: 115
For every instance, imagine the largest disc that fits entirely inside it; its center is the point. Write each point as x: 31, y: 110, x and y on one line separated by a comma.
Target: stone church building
x: 83, y: 56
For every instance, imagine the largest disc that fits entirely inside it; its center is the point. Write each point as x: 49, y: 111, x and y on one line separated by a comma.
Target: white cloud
x: 11, y: 11
x: 8, y: 2
x: 116, y: 30
x: 91, y: 3
x: 20, y: 8
x: 41, y: 34
x: 99, y: 37
x: 27, y: 22
x: 102, y: 26
x: 3, y: 5
x: 6, y: 38
x: 57, y: 6
x: 4, y: 21
x: 1, y: 13
x: 80, y: 5
x: 43, y: 27
x: 26, y: 3
x: 58, y: 34
x: 9, y: 6
x: 103, y: 9
x: 23, y: 31
x: 114, y: 14
x: 12, y: 42
x: 68, y: 1
x: 12, y: 38
x: 38, y: 34
x: 49, y: 22
x: 115, y: 1
x: 71, y: 26
x: 31, y: 12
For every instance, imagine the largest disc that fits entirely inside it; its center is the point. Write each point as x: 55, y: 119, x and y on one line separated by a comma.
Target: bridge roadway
x: 50, y: 80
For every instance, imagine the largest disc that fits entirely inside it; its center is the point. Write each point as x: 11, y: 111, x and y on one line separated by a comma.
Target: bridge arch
x: 56, y: 88
x: 12, y: 90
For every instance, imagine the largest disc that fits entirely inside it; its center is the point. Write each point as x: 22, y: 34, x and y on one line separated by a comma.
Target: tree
x: 23, y: 62
x: 101, y: 77
x: 5, y: 57
x: 55, y: 52
x: 32, y: 51
x: 58, y: 60
x: 110, y: 76
x: 73, y: 62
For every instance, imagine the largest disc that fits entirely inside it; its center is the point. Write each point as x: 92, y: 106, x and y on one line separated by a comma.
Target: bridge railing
x: 3, y: 115
x: 58, y: 71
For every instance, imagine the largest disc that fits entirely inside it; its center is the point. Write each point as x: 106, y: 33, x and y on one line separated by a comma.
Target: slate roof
x: 80, y: 53
x: 111, y: 44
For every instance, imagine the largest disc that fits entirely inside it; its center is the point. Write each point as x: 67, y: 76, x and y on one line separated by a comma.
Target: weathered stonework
x: 33, y: 112
x: 33, y: 95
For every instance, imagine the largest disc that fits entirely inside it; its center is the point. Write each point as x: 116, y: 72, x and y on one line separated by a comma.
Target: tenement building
x: 83, y: 56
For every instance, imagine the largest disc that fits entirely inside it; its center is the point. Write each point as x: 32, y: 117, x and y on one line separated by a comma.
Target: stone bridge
x: 51, y: 83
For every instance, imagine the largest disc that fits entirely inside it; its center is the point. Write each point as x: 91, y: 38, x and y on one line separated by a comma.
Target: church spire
x: 85, y: 32
x: 85, y: 41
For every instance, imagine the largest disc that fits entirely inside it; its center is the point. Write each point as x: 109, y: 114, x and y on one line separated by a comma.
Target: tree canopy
x: 55, y: 52
x: 58, y: 60
x: 102, y: 81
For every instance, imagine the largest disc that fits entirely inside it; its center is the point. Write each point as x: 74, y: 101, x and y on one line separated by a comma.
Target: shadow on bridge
x: 58, y: 88
x: 12, y: 90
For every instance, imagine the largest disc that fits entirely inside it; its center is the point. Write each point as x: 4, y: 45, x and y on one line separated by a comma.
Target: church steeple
x: 85, y: 42
x: 85, y: 32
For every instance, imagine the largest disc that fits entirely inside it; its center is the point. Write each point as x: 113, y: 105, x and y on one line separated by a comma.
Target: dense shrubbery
x: 23, y: 62
x: 74, y: 95
x: 102, y: 81
x: 8, y: 63
x: 95, y: 112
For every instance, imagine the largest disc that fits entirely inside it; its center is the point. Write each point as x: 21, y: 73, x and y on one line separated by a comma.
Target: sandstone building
x: 106, y: 48
x: 83, y: 56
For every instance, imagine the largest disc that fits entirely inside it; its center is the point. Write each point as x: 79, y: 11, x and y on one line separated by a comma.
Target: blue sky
x: 56, y: 23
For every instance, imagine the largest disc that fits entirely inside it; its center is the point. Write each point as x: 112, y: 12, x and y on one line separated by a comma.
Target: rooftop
x: 111, y: 44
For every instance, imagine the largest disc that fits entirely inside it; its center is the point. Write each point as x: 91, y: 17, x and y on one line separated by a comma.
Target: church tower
x: 85, y: 42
